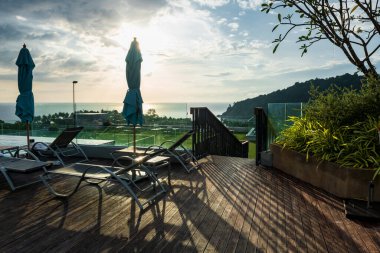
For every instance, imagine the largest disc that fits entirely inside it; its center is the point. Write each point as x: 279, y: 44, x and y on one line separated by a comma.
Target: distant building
x: 91, y: 119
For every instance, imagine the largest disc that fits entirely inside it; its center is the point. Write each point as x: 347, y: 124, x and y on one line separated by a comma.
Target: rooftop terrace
x: 228, y: 205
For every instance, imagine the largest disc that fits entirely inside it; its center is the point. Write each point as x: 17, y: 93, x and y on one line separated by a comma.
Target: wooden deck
x: 229, y: 205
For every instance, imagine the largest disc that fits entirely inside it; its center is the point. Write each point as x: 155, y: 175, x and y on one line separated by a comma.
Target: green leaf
x: 274, y: 28
x: 275, y: 48
x: 279, y: 17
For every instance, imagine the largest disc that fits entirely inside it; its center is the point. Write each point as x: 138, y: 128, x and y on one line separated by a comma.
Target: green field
x: 123, y: 135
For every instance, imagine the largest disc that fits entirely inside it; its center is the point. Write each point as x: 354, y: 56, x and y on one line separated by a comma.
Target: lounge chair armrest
x: 152, y: 148
x: 124, y: 157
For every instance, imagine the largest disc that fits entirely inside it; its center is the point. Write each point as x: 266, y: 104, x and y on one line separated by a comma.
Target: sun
x: 149, y: 44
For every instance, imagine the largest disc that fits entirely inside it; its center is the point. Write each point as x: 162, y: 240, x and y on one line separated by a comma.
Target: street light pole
x: 74, y: 105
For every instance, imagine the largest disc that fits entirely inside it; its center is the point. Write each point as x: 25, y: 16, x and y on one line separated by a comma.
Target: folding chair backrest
x: 66, y: 137
x: 180, y: 141
x: 156, y: 153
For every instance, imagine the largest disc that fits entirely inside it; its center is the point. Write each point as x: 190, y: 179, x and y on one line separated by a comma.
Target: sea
x: 174, y: 110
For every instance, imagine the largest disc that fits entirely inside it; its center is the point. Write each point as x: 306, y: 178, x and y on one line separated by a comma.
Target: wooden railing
x: 261, y: 133
x: 211, y: 137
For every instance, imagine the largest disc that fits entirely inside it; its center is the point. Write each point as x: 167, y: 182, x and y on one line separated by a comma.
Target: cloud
x: 212, y: 3
x: 222, y: 21
x: 250, y: 4
x: 193, y: 50
x: 223, y: 74
x: 8, y: 77
x: 11, y: 32
x: 233, y: 26
x: 21, y: 18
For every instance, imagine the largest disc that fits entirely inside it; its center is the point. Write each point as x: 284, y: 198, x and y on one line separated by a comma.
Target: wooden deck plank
x: 31, y: 219
x: 185, y: 218
x: 243, y: 241
x: 317, y: 243
x: 229, y: 205
x: 236, y: 232
x: 291, y: 225
x: 222, y: 212
x: 257, y: 223
x: 222, y: 181
x: 209, y: 223
x: 281, y: 217
x: 59, y: 220
x: 219, y: 238
x: 154, y: 218
x: 273, y: 229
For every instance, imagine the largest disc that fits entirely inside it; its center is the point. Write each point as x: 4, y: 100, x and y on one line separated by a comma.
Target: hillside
x: 299, y: 92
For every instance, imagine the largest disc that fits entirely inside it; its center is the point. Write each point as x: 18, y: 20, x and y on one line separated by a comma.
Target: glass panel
x: 244, y: 130
x: 104, y: 126
x: 278, y: 115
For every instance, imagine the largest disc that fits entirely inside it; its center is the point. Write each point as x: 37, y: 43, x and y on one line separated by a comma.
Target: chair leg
x: 8, y: 179
x: 45, y: 177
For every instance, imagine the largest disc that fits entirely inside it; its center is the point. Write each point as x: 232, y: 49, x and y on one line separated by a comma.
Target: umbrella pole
x: 134, y: 141
x: 27, y: 134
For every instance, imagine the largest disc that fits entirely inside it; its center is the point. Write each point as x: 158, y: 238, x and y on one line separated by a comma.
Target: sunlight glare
x: 149, y: 41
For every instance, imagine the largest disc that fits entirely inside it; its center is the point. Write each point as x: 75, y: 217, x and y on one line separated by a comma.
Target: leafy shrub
x: 53, y: 128
x: 352, y: 146
x: 339, y: 125
x: 336, y: 106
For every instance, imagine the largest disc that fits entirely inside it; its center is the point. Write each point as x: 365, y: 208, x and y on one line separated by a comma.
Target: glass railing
x: 244, y: 130
x: 104, y: 127
x: 120, y: 135
x: 278, y: 118
x: 103, y: 124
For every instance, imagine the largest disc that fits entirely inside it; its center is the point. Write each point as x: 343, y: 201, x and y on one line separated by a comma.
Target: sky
x: 193, y: 50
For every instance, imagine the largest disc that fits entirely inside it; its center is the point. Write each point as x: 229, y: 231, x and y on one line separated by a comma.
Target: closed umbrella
x: 25, y: 101
x: 132, y: 110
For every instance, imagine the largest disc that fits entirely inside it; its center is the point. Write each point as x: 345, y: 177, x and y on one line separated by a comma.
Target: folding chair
x: 62, y: 147
x: 95, y: 174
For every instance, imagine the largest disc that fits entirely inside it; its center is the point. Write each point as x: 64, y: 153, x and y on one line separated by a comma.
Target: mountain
x: 299, y: 92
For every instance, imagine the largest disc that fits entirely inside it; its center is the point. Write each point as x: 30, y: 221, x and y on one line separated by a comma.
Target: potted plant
x: 335, y: 145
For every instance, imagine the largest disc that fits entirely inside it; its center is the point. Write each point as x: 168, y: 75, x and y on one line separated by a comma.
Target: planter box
x: 347, y: 183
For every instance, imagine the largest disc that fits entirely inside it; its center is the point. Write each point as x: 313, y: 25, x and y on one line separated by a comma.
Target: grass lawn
x: 145, y: 136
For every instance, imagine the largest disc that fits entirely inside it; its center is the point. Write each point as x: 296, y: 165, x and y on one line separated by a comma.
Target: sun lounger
x: 175, y: 150
x: 178, y: 151
x: 11, y: 165
x: 62, y: 147
x: 95, y: 174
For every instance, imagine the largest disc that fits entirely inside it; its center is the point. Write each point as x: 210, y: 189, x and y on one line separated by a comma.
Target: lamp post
x: 74, y: 106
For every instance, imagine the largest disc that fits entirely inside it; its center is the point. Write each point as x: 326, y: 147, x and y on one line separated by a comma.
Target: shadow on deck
x: 229, y: 205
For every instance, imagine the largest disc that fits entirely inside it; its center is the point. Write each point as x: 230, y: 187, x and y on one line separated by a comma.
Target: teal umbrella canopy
x: 132, y: 110
x: 25, y: 101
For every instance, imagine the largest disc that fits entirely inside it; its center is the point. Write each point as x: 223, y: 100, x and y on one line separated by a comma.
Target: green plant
x: 352, y: 146
x: 339, y: 125
x: 336, y: 106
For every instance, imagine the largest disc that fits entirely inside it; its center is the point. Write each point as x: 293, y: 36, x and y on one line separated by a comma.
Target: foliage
x: 351, y: 145
x: 299, y: 92
x: 339, y: 125
x: 351, y: 25
x: 53, y: 128
x: 337, y: 106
